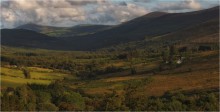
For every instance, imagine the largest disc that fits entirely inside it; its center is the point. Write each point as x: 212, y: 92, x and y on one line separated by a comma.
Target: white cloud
x: 178, y: 5
x: 46, y: 12
x: 194, y: 4
x: 67, y: 12
x: 116, y: 13
x: 73, y: 12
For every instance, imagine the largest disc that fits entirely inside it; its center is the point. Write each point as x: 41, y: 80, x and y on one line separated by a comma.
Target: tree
x: 26, y: 73
x: 165, y: 55
x: 113, y: 102
x: 171, y: 54
x: 47, y: 107
x: 27, y: 97
x: 133, y: 70
x: 90, y: 71
x: 130, y: 58
x: 175, y: 105
x: 71, y: 101
x: 43, y: 97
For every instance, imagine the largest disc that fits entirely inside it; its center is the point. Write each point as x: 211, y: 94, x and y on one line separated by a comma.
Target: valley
x: 101, y: 73
x: 157, y: 62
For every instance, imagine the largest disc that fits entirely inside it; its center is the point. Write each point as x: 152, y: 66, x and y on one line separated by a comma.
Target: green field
x: 13, y: 77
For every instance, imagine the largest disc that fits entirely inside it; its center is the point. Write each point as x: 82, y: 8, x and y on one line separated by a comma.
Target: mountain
x: 38, y: 28
x: 28, y: 38
x: 193, y: 32
x: 153, y: 27
x: 78, y: 30
x: 81, y: 30
x: 146, y: 27
x: 204, y: 33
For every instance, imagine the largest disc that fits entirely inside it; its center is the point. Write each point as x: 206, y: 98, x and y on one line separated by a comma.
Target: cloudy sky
x: 65, y: 13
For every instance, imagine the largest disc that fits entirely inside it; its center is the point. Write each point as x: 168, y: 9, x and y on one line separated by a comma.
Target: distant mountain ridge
x: 145, y: 27
x: 37, y: 28
x: 28, y: 38
x: 77, y: 30
x: 155, y: 26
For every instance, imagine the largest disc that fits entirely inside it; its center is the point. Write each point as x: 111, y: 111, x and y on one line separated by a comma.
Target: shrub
x: 47, y: 107
x: 73, y: 100
x: 133, y: 71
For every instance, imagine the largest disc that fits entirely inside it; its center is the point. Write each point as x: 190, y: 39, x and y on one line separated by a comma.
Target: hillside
x: 204, y: 33
x: 78, y: 30
x: 81, y: 30
x: 146, y: 27
x: 38, y: 28
x: 28, y: 38
x: 153, y: 27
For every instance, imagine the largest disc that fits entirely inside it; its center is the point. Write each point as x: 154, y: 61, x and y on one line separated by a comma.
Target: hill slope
x: 28, y: 38
x: 64, y: 31
x: 156, y: 26
x: 146, y: 27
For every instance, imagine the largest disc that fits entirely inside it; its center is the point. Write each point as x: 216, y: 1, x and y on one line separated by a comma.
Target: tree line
x: 58, y: 96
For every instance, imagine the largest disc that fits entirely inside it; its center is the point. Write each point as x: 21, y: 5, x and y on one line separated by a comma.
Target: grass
x: 37, y: 69
x: 160, y: 84
x: 204, y: 74
x: 123, y: 78
x: 101, y: 86
x: 12, y: 72
x: 184, y: 81
x: 11, y: 77
x: 8, y: 81
x: 47, y: 76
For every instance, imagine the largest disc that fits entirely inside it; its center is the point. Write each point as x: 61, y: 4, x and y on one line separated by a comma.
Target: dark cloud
x: 5, y: 4
x: 123, y: 3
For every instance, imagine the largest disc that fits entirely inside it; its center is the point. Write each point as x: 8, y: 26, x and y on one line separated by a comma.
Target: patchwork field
x: 159, y: 84
x: 103, y: 76
x: 13, y: 77
x: 200, y: 73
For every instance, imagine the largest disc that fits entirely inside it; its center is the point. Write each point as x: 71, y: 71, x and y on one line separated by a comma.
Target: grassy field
x: 98, y: 79
x: 17, y: 81
x: 160, y: 83
x: 203, y: 74
x: 12, y: 77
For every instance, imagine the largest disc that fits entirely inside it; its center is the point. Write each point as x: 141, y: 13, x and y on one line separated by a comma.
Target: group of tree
x: 59, y: 97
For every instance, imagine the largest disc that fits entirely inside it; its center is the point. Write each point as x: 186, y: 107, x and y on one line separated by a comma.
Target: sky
x: 67, y: 13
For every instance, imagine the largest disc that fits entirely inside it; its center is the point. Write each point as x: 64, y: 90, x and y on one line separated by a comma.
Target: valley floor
x: 203, y: 74
x: 199, y: 73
